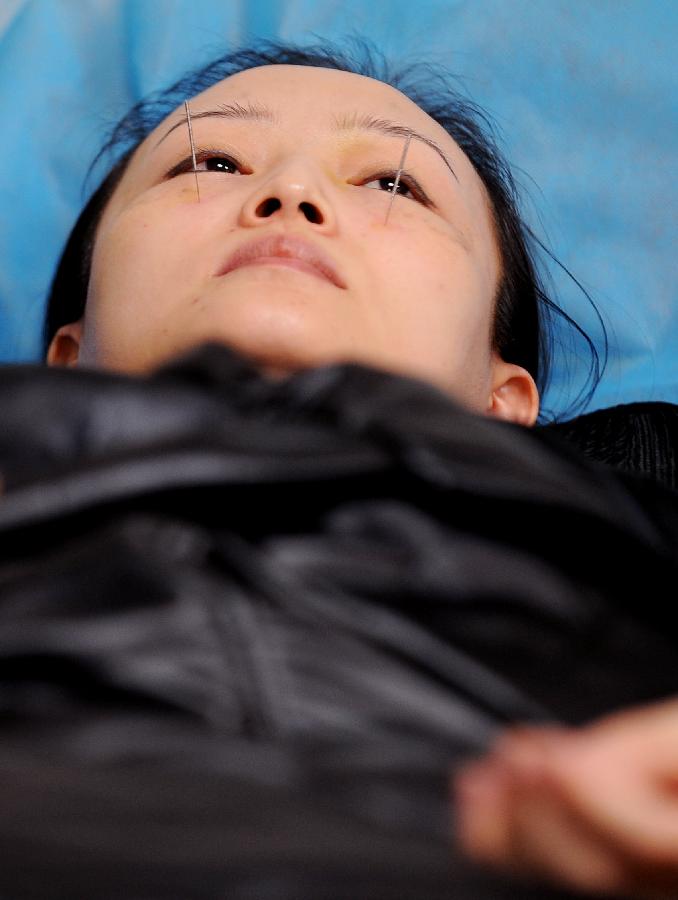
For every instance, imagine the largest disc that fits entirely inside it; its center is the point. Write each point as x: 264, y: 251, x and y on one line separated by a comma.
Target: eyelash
x: 407, y: 180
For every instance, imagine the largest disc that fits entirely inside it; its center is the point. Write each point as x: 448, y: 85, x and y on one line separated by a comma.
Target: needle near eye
x: 400, y: 172
x: 190, y: 137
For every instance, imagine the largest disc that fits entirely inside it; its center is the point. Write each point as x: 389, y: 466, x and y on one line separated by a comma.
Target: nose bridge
x: 294, y: 188
x: 303, y: 162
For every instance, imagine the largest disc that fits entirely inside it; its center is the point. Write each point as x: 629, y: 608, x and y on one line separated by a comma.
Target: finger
x: 542, y: 836
x: 605, y: 781
x: 516, y: 826
x: 595, y: 808
x: 480, y: 798
x: 547, y: 840
x: 621, y: 797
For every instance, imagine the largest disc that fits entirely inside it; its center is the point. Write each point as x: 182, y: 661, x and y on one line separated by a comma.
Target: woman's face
x: 292, y: 154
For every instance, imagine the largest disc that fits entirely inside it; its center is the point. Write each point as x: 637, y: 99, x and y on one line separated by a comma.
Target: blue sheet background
x: 584, y: 95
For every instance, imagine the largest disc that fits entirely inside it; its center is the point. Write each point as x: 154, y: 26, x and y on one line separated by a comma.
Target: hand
x: 594, y: 809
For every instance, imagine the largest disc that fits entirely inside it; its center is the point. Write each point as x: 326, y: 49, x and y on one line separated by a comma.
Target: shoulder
x: 641, y: 438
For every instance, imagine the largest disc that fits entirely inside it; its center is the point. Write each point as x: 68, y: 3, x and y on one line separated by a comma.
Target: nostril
x: 268, y: 206
x: 271, y: 204
x: 311, y: 212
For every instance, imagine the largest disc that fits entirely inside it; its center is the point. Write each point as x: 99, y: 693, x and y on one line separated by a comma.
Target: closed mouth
x: 288, y: 250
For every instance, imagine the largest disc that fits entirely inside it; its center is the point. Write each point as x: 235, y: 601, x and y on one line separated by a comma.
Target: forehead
x: 325, y: 91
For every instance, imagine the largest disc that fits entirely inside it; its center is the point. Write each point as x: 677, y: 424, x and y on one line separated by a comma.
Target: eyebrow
x: 366, y: 122
x: 249, y: 113
x: 349, y: 122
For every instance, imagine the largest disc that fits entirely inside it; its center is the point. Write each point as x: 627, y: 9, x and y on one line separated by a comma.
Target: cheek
x: 138, y: 269
x: 142, y: 255
x: 440, y: 290
x: 436, y: 302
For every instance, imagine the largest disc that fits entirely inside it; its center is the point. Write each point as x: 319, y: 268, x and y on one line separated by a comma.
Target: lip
x: 274, y: 249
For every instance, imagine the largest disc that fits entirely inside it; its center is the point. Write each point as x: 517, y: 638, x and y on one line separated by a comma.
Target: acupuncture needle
x: 396, y: 182
x: 190, y: 137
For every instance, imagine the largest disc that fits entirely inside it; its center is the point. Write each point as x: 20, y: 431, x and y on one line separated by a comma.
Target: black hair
x: 523, y: 312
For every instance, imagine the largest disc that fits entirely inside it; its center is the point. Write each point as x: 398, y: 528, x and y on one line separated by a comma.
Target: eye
x: 214, y: 163
x: 408, y: 185
x: 213, y: 160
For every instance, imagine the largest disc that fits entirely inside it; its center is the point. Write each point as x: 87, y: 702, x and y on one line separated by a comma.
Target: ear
x: 514, y: 395
x: 64, y: 348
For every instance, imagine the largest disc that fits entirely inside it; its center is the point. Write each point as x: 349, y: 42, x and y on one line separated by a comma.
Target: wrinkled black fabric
x: 634, y: 437
x: 249, y: 627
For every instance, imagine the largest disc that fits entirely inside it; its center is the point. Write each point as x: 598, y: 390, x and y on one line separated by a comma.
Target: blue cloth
x: 583, y: 94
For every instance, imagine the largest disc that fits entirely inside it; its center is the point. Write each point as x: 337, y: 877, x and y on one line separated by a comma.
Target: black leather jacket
x: 248, y: 627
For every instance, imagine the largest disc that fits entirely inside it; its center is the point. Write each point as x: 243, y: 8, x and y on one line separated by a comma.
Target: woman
x: 445, y: 292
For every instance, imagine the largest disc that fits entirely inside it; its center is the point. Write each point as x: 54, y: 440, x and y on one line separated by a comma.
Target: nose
x: 292, y: 194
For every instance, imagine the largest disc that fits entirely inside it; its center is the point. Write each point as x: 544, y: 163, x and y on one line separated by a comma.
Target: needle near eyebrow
x: 400, y: 171
x: 190, y: 137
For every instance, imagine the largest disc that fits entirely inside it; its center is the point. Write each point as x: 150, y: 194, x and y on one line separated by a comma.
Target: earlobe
x: 514, y: 396
x: 64, y: 349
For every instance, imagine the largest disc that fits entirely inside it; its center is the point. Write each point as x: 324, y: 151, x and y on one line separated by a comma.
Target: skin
x: 419, y: 291
x: 594, y: 808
